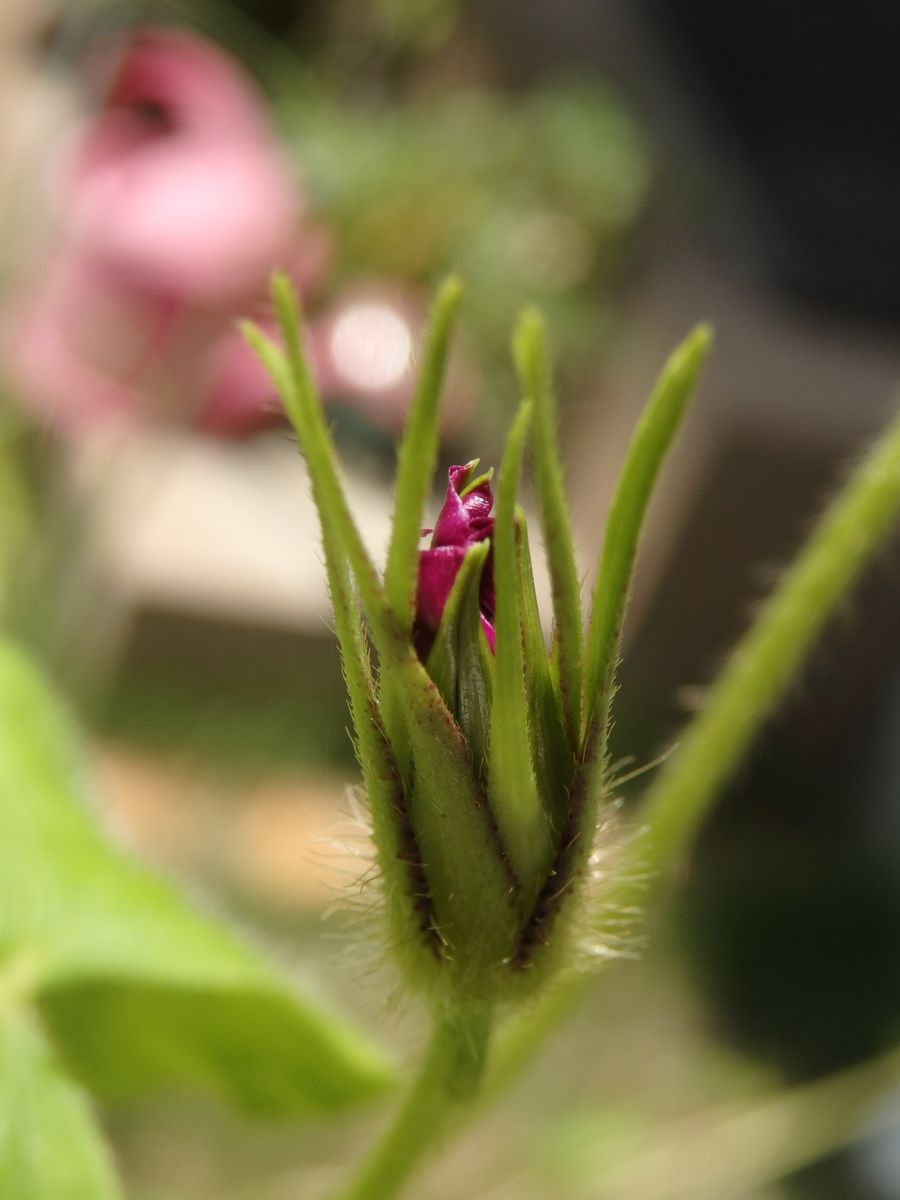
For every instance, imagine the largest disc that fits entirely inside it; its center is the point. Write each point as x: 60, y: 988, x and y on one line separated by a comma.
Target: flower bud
x: 484, y: 756
x: 464, y: 521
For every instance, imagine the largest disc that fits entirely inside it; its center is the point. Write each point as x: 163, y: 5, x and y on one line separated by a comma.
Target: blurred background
x: 630, y: 167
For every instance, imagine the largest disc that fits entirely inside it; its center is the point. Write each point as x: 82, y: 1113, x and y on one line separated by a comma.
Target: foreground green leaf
x: 50, y: 1147
x: 138, y: 988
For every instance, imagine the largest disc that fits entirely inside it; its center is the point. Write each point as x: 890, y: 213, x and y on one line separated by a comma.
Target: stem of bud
x: 447, y: 1083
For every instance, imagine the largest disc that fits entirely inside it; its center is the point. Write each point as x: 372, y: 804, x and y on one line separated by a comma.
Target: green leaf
x: 50, y: 1146
x: 467, y: 875
x: 533, y: 364
x: 519, y: 809
x: 417, y: 456
x: 259, y: 1049
x: 652, y: 438
x: 460, y: 661
x: 119, y: 959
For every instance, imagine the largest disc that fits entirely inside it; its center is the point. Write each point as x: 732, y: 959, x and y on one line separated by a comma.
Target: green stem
x: 448, y: 1083
x: 738, y: 1149
x: 770, y: 654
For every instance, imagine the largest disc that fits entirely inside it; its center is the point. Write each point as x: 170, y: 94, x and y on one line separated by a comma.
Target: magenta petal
x: 488, y: 632
x: 438, y: 569
x: 464, y: 520
x: 451, y: 527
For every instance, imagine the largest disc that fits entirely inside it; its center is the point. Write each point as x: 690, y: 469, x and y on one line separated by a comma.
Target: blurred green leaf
x: 138, y: 988
x: 50, y: 1147
x: 533, y: 195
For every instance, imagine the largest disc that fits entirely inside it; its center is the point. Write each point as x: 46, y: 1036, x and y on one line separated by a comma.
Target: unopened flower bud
x: 484, y: 755
x: 463, y: 522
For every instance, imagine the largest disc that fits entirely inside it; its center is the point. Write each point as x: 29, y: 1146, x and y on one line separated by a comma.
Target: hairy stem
x: 738, y: 1148
x: 769, y: 656
x: 447, y: 1084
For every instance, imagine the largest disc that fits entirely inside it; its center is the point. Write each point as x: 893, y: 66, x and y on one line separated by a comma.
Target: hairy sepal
x: 553, y: 760
x: 462, y: 857
x: 532, y: 358
x: 515, y: 796
x: 460, y: 661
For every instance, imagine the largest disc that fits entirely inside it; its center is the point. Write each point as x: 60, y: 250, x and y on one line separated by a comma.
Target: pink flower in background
x: 179, y: 186
x: 176, y: 206
x: 464, y: 520
x: 173, y: 208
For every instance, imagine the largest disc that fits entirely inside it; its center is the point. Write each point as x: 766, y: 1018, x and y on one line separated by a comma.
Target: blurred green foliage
x: 526, y: 197
x: 136, y: 989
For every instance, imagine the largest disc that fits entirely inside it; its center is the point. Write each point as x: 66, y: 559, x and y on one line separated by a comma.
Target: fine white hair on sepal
x: 610, y: 910
x: 365, y: 944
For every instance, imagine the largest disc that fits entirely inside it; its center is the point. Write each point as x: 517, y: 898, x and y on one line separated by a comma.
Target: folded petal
x: 438, y: 568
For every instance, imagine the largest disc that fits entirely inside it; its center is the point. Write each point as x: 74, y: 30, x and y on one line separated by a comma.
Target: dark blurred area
x: 803, y: 100
x: 629, y: 167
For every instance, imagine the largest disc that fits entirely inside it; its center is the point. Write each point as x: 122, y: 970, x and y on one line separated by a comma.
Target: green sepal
x: 535, y: 379
x: 515, y: 798
x: 477, y: 480
x: 475, y: 689
x: 408, y: 908
x: 467, y: 871
x: 460, y: 661
x: 652, y: 438
x: 554, y: 762
x: 650, y: 443
x: 553, y: 663
x: 416, y: 459
x: 417, y: 456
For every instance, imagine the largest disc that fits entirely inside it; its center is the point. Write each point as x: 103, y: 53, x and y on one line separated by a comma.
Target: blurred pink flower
x: 179, y: 184
x: 175, y: 207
